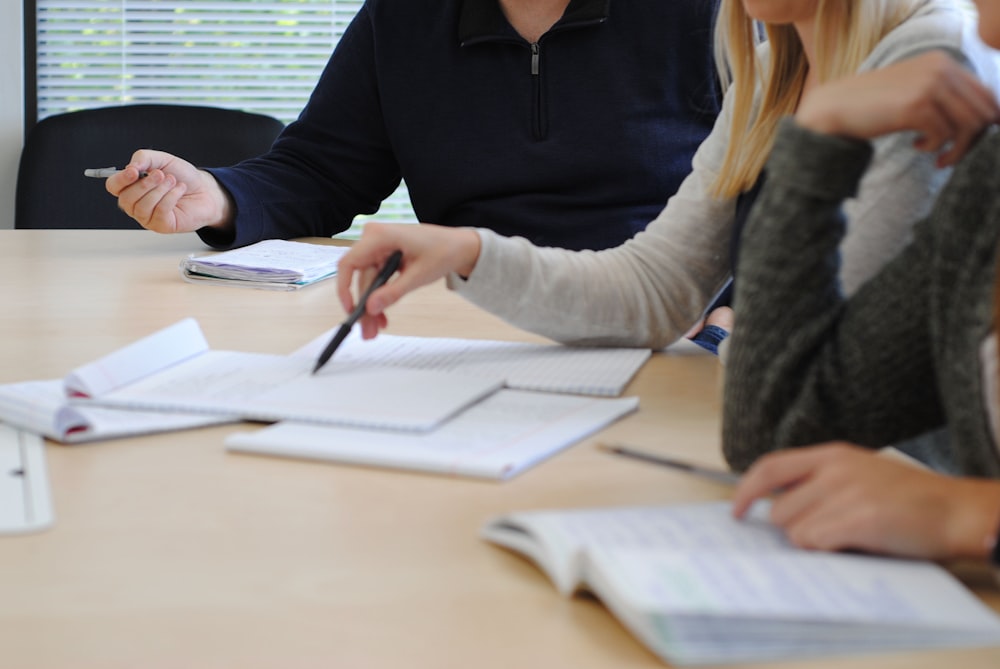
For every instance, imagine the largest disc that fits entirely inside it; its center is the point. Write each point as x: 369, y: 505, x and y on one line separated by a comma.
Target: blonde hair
x: 846, y: 33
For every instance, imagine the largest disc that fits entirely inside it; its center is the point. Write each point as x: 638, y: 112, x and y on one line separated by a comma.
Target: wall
x: 11, y: 107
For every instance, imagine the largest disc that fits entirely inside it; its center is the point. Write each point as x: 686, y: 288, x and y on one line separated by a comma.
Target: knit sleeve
x: 806, y: 366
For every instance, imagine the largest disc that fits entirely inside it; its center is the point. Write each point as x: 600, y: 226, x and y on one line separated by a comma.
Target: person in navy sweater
x: 568, y: 122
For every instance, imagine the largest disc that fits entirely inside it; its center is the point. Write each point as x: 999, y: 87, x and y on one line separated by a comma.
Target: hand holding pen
x: 430, y: 252
x: 388, y: 269
x: 173, y: 196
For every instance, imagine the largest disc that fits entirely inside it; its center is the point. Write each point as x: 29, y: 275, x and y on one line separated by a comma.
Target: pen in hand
x: 105, y: 172
x: 388, y: 269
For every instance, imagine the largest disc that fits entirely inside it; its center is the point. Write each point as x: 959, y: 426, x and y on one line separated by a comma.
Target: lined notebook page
x: 258, y: 386
x: 41, y: 407
x: 497, y: 438
x: 541, y: 367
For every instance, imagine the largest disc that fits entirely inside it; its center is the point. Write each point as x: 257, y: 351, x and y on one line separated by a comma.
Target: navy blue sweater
x: 575, y: 141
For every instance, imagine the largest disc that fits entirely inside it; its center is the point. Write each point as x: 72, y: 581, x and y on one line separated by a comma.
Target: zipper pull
x: 534, y: 57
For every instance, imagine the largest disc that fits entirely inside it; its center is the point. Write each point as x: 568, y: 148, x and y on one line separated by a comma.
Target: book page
x: 523, y: 366
x: 563, y: 535
x: 160, y: 350
x: 497, y: 438
x: 793, y: 584
x: 32, y: 405
x: 698, y: 586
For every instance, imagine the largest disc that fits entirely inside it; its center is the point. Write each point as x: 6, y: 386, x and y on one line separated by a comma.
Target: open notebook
x: 173, y: 370
x: 44, y: 408
x: 542, y: 367
x: 497, y: 438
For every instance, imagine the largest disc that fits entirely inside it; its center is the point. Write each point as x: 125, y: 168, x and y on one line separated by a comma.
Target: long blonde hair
x: 846, y: 33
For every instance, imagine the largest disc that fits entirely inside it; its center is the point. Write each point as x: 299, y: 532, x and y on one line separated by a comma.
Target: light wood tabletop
x: 167, y: 551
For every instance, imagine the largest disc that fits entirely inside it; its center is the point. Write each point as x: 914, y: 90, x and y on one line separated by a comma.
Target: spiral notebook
x: 553, y: 368
x: 274, y: 264
x: 497, y: 438
x: 173, y: 370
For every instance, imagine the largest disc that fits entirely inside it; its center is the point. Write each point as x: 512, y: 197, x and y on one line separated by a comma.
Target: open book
x: 497, y: 438
x: 173, y: 370
x: 275, y: 264
x: 699, y: 587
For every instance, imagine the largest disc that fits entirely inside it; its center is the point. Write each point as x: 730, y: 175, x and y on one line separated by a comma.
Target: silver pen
x: 711, y: 473
x: 105, y: 172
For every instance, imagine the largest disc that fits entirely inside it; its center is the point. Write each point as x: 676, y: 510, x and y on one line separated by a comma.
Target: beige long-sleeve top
x: 652, y: 289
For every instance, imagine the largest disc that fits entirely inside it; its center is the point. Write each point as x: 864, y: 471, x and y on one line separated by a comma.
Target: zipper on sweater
x: 538, y: 125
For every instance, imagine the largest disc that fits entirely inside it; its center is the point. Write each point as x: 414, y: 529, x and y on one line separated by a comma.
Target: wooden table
x: 169, y: 552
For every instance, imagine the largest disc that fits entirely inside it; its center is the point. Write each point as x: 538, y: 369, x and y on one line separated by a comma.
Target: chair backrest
x: 52, y: 191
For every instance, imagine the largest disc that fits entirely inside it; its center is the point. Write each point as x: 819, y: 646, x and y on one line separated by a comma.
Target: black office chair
x: 52, y: 191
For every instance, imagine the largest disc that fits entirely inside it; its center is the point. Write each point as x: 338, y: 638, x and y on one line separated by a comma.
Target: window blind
x: 257, y: 55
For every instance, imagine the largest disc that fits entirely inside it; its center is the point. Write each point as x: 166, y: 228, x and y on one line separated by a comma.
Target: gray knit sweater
x: 900, y: 356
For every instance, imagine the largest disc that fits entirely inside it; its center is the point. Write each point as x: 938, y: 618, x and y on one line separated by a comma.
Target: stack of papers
x: 274, y: 264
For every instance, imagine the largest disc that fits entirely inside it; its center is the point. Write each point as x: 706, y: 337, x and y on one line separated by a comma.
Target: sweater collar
x: 481, y: 20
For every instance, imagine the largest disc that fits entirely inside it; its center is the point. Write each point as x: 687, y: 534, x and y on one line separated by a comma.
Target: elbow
x: 739, y: 450
x: 746, y: 432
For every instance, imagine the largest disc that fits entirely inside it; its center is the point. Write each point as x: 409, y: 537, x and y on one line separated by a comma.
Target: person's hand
x: 174, y: 196
x: 839, y: 497
x: 931, y: 94
x: 720, y: 317
x: 429, y: 253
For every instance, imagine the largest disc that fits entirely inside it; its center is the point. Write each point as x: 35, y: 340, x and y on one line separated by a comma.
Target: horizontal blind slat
x: 262, y: 56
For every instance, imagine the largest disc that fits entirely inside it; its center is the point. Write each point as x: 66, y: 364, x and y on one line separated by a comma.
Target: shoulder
x: 963, y: 228
x: 936, y: 24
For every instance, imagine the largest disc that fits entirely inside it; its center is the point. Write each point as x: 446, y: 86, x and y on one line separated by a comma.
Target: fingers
x: 157, y: 201
x: 152, y: 200
x: 429, y: 253
x: 772, y: 472
x: 361, y: 265
x: 832, y: 529
x: 364, y: 259
x: 801, y: 477
x: 932, y: 95
x: 116, y: 183
x: 969, y: 107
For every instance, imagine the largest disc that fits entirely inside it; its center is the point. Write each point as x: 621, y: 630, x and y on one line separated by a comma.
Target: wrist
x: 469, y: 248
x: 224, y: 209
x: 817, y: 119
x: 974, y: 521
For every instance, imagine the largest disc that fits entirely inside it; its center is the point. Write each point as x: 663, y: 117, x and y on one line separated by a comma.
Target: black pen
x: 388, y: 269
x: 711, y: 473
x: 105, y: 172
